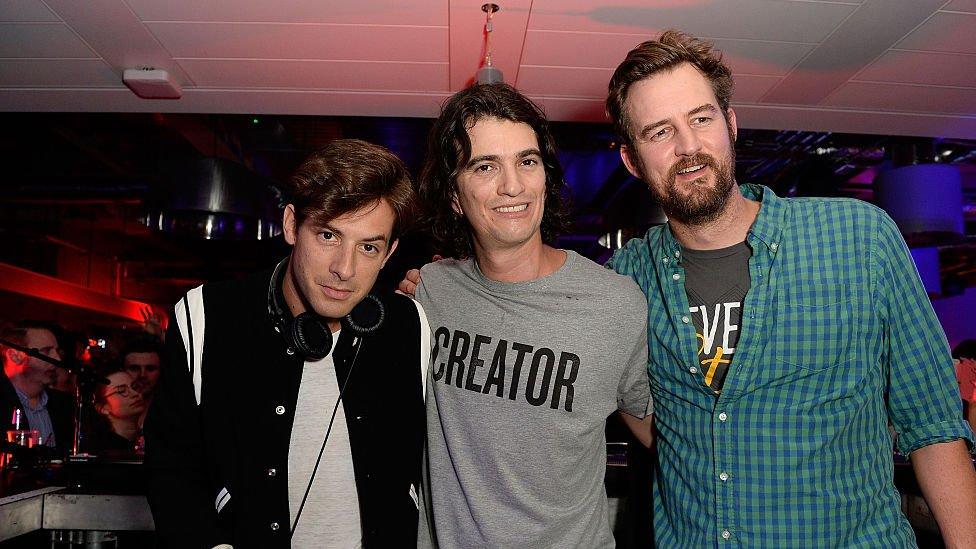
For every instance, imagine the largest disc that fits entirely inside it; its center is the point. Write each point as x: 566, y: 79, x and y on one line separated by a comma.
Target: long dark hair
x: 449, y: 149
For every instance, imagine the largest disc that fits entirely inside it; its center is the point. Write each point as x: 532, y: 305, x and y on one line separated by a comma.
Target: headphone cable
x: 308, y: 488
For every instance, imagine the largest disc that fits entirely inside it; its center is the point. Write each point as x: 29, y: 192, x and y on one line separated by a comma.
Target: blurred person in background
x: 141, y: 357
x: 26, y: 384
x: 965, y: 353
x: 117, y: 431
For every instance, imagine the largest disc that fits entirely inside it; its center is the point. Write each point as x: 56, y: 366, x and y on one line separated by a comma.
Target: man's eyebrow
x: 495, y: 157
x: 482, y: 158
x: 707, y: 107
x: 337, y: 232
x: 377, y: 238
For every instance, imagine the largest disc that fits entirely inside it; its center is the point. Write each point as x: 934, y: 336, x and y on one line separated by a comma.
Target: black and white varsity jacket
x: 218, y: 433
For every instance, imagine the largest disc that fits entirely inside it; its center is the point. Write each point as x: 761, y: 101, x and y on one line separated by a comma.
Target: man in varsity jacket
x: 270, y: 426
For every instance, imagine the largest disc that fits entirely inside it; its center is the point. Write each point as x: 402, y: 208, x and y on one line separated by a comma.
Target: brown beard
x: 706, y: 203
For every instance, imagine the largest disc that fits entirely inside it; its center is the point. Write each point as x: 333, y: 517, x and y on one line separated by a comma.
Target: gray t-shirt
x: 716, y: 282
x: 522, y: 379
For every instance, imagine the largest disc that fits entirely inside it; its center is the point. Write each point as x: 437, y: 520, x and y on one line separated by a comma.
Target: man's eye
x: 661, y: 134
x: 701, y: 120
x: 369, y: 248
x: 530, y: 162
x: 327, y: 235
x: 484, y: 168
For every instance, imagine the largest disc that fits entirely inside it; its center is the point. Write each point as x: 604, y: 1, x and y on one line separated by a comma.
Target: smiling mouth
x: 512, y: 209
x: 691, y: 169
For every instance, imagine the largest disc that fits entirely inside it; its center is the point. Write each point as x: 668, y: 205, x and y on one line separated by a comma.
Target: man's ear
x: 288, y: 224
x: 626, y: 154
x: 389, y: 253
x: 733, y: 125
x: 15, y: 356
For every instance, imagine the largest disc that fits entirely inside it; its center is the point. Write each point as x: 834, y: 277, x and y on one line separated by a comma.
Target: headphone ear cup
x: 312, y: 336
x: 367, y: 316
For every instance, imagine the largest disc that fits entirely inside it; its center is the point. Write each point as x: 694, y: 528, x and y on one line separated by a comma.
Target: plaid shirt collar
x: 767, y: 227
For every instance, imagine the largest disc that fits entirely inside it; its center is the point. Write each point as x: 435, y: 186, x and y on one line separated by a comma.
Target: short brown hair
x: 449, y: 149
x: 654, y: 56
x: 16, y: 332
x: 347, y: 175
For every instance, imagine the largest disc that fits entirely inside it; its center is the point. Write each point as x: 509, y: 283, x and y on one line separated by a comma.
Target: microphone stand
x: 84, y: 378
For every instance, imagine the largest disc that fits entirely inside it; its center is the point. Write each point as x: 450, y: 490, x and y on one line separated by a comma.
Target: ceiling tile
x: 118, y: 37
x: 961, y: 5
x: 943, y: 32
x: 749, y: 88
x: 904, y: 97
x: 559, y: 109
x: 862, y: 38
x: 317, y: 75
x: 564, y: 81
x: 284, y: 41
x: 854, y: 121
x: 58, y: 73
x: 375, y: 12
x: 592, y: 83
x: 579, y: 49
x: 942, y: 69
x: 339, y: 103
x: 25, y: 10
x: 22, y: 40
x: 774, y: 20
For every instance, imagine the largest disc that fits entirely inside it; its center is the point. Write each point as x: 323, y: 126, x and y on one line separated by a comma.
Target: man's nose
x: 344, y: 263
x: 511, y: 184
x: 688, y: 142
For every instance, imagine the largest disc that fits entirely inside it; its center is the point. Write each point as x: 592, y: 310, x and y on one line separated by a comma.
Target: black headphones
x: 308, y: 334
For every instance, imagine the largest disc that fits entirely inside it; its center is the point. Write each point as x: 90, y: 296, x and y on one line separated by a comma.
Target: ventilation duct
x: 925, y: 200
x: 214, y: 198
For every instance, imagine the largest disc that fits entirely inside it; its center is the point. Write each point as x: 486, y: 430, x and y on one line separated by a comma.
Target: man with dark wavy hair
x: 787, y: 335
x: 525, y: 365
x: 270, y: 423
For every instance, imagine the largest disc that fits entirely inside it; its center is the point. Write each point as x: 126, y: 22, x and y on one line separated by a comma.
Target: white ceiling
x: 903, y: 67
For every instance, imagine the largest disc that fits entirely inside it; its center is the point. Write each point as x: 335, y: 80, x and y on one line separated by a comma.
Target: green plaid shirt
x: 838, y: 337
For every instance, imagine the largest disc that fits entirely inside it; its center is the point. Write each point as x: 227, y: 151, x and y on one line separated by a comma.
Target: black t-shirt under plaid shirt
x: 716, y: 282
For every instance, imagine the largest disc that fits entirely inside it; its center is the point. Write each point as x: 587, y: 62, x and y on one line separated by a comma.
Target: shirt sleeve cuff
x: 943, y: 431
x: 636, y: 407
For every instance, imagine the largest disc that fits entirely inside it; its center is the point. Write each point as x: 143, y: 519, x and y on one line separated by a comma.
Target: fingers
x: 407, y: 287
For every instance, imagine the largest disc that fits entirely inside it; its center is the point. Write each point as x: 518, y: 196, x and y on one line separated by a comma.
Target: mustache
x: 695, y: 160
